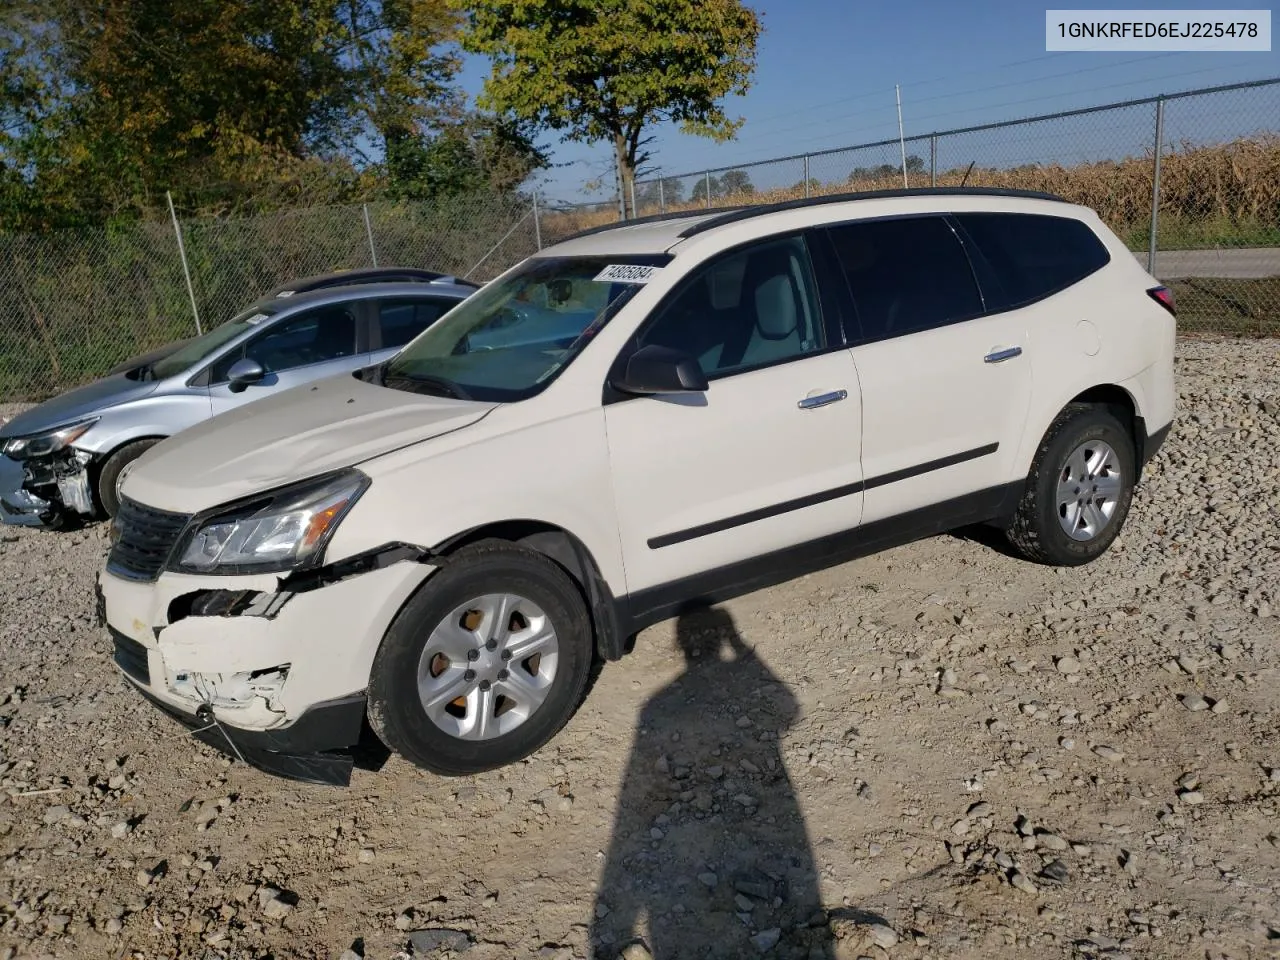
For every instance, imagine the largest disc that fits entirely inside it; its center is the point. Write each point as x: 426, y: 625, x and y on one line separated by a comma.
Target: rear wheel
x: 484, y: 664
x: 109, y: 475
x: 1079, y: 491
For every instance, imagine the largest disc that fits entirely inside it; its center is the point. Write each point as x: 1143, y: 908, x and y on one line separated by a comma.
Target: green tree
x: 476, y: 154
x: 735, y: 183
x: 660, y: 193
x: 105, y: 104
x: 609, y: 70
x: 699, y: 192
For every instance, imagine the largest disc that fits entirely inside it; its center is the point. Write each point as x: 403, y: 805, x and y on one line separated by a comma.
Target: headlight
x: 51, y: 441
x: 283, y: 530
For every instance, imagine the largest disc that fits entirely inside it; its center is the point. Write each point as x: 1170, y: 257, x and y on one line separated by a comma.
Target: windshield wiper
x: 420, y: 383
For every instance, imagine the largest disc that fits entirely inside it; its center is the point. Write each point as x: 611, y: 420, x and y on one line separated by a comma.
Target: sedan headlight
x: 51, y: 441
x: 283, y: 530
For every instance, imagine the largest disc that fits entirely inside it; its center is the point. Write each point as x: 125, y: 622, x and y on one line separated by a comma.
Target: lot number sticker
x: 626, y: 273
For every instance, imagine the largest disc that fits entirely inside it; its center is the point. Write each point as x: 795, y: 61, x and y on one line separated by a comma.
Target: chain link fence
x: 1202, y: 168
x: 1213, y: 196
x: 79, y: 302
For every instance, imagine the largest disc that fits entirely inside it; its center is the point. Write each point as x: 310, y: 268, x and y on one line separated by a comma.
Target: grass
x: 1210, y: 233
x: 1247, y: 308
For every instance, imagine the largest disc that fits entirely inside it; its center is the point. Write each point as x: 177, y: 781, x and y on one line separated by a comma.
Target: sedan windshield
x: 204, y: 346
x: 513, y: 337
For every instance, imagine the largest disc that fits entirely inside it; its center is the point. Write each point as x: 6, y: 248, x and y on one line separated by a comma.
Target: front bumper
x: 312, y: 749
x: 259, y: 672
x: 33, y: 491
x: 18, y: 506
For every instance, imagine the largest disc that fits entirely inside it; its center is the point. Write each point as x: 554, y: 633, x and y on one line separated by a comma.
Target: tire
x: 109, y: 475
x: 1075, y: 444
x: 425, y: 659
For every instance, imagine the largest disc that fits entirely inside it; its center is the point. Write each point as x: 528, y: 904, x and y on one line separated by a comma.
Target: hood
x: 292, y: 435
x: 86, y: 401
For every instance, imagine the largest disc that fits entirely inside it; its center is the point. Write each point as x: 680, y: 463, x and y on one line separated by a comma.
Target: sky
x: 825, y: 77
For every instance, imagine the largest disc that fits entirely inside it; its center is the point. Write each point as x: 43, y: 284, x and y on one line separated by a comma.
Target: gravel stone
x: 1194, y: 702
x: 838, y: 673
x: 766, y: 940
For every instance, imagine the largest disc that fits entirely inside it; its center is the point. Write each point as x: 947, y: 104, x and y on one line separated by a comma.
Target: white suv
x: 663, y: 412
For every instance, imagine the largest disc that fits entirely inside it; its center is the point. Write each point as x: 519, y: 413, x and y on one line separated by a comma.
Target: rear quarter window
x: 1033, y: 255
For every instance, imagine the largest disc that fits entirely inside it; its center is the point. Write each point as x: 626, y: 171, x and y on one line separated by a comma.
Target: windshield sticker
x: 285, y: 293
x: 626, y: 273
x: 257, y: 318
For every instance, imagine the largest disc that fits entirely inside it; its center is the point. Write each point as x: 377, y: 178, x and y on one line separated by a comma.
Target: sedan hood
x: 295, y: 434
x: 86, y: 401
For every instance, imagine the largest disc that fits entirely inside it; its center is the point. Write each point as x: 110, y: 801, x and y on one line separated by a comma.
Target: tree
x: 105, y: 104
x: 477, y: 154
x: 735, y: 183
x: 609, y: 70
x: 700, y: 186
x: 659, y: 194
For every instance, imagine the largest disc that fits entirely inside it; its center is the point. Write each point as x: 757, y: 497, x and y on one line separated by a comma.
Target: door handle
x: 1002, y: 354
x: 822, y: 399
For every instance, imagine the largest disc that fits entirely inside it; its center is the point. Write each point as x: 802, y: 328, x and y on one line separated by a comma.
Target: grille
x: 144, y: 538
x: 131, y: 656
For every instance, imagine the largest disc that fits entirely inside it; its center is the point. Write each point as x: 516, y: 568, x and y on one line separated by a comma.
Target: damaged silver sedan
x: 61, y: 462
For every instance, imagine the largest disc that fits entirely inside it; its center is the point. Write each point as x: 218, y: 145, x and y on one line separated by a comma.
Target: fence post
x: 707, y: 182
x: 186, y: 271
x: 368, y: 229
x: 806, y: 176
x: 635, y: 211
x: 1155, y: 188
x: 622, y: 200
x: 933, y: 159
x: 537, y: 227
x: 662, y: 196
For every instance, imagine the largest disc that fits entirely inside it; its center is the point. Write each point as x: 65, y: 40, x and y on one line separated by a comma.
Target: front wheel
x: 109, y: 475
x: 484, y: 664
x: 1079, y: 490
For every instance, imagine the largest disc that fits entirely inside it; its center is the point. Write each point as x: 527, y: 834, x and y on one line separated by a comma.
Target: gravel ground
x: 950, y: 752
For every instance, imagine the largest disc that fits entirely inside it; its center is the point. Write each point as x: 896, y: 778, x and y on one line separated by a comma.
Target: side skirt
x: 654, y: 604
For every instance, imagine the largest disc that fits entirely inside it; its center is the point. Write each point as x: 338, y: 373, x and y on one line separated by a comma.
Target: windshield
x: 510, y: 339
x: 203, y: 346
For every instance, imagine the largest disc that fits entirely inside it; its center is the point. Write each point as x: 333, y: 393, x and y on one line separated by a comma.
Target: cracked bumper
x: 312, y: 749
x: 17, y: 505
x: 324, y: 639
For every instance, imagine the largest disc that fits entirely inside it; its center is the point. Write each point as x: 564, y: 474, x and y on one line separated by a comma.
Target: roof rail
x: 652, y: 218
x: 732, y: 215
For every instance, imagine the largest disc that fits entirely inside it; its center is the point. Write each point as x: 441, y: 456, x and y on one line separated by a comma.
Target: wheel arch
x: 571, y: 554
x: 1120, y: 400
x: 100, y: 459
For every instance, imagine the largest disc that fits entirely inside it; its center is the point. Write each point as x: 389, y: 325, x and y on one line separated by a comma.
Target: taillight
x: 1163, y: 296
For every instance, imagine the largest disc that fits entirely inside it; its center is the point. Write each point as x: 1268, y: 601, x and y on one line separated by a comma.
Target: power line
x: 944, y: 96
x: 913, y: 83
x: 855, y: 134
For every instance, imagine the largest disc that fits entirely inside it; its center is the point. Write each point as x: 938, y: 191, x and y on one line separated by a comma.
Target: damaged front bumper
x: 33, y: 491
x: 267, y: 669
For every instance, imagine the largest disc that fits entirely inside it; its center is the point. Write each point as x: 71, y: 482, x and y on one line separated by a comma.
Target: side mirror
x: 654, y: 369
x: 243, y: 372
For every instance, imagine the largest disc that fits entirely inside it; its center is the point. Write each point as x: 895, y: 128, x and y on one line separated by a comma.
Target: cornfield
x: 1222, y: 195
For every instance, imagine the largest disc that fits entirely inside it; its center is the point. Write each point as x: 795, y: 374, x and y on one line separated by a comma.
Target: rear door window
x: 1032, y: 255
x: 906, y: 275
x: 402, y: 320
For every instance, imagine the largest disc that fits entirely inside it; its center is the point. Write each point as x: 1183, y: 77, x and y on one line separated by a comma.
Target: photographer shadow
x: 709, y: 846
